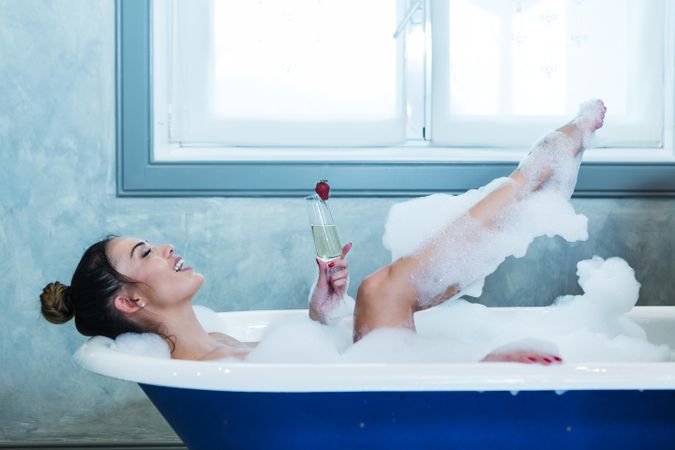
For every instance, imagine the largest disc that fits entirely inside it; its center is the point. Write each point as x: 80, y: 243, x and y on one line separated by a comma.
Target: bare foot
x: 591, y: 116
x: 552, y: 153
x: 523, y: 356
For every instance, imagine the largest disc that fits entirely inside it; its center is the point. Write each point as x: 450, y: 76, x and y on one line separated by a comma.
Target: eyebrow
x: 135, y: 246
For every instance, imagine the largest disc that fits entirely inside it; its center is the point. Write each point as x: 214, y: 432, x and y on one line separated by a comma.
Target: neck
x: 189, y: 337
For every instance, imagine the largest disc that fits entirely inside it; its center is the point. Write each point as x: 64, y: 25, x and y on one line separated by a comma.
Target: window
x: 301, y: 73
x: 530, y: 63
x: 220, y: 97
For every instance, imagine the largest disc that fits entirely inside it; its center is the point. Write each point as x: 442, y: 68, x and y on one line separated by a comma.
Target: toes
x: 537, y: 359
x: 545, y: 360
x: 592, y: 106
x: 526, y: 357
x: 551, y: 359
x: 591, y: 115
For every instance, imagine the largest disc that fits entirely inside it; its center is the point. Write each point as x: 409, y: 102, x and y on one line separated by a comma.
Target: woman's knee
x: 380, y: 303
x: 372, y: 287
x: 388, y: 288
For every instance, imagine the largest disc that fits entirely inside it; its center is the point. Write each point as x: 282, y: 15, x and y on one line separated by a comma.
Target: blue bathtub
x: 233, y: 405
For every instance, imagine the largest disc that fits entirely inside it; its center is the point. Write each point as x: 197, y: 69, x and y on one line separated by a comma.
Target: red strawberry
x: 322, y: 189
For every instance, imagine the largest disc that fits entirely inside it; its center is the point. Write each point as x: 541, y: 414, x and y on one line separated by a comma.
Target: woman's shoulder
x: 224, y: 338
x: 231, y: 348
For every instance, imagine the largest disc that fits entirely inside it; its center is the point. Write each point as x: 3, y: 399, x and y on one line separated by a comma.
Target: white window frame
x: 418, y: 81
x: 146, y: 158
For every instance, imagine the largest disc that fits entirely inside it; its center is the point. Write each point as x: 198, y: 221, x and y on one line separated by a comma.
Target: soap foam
x: 459, y: 249
x: 583, y: 328
x: 142, y: 344
x: 300, y: 340
x: 209, y: 319
x: 465, y: 251
x: 590, y: 327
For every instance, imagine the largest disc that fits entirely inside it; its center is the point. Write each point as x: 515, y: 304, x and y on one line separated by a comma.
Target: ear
x: 128, y: 304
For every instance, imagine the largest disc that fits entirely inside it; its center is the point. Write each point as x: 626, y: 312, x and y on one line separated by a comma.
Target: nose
x: 167, y: 250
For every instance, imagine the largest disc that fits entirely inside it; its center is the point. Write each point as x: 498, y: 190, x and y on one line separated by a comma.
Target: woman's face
x: 165, y: 281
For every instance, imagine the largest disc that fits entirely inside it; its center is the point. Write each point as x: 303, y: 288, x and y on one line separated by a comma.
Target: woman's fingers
x: 338, y: 264
x: 323, y: 271
x: 339, y: 275
x: 336, y: 272
x: 345, y: 250
x: 339, y: 283
x: 339, y: 278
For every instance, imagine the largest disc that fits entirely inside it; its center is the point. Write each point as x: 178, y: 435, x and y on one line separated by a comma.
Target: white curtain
x: 279, y: 73
x: 506, y: 71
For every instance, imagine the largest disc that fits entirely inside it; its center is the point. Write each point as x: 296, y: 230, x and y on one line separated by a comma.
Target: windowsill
x: 404, y: 154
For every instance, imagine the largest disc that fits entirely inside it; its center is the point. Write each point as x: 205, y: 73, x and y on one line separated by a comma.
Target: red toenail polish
x: 532, y: 358
x: 547, y: 360
x: 557, y: 359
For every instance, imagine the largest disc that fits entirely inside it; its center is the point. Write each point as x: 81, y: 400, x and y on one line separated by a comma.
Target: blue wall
x: 57, y: 195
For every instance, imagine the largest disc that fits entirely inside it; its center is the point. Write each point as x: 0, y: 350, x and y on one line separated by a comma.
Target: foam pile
x: 142, y: 344
x: 581, y: 328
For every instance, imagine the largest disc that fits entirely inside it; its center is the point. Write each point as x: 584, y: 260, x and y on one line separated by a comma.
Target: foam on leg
x: 463, y: 239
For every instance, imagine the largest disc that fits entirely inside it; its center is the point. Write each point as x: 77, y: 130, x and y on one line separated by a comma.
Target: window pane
x: 307, y: 70
x: 309, y: 60
x: 514, y: 60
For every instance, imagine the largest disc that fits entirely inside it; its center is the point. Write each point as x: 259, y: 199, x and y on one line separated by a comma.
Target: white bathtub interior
x: 98, y: 355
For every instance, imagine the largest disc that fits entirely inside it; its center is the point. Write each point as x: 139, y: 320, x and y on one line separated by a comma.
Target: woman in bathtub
x: 125, y: 284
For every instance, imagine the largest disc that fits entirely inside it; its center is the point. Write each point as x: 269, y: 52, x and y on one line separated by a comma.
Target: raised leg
x: 390, y: 296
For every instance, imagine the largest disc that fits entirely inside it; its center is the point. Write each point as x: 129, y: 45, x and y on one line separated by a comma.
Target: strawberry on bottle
x: 322, y: 189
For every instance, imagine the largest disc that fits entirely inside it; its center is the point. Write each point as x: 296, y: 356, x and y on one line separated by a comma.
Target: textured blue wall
x: 57, y: 195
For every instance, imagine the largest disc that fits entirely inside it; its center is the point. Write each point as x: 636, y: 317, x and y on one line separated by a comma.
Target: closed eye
x: 139, y: 244
x: 147, y: 252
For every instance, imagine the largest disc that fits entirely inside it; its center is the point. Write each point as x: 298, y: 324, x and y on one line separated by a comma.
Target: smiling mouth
x: 179, y: 265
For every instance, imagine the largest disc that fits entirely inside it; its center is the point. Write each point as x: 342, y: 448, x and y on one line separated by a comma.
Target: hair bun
x: 56, y: 305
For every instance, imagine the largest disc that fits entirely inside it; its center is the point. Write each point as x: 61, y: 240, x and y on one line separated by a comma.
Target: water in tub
x: 580, y: 328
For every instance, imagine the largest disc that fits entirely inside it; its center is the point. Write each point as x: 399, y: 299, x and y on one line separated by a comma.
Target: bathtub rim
x: 97, y: 356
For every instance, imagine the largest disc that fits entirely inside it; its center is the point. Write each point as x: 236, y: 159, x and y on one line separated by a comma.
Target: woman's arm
x: 327, y: 293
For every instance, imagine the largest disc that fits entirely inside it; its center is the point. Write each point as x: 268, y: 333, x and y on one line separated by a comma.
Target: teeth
x: 179, y: 265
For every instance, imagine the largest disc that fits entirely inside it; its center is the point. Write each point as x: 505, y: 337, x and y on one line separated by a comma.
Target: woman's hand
x: 330, y: 287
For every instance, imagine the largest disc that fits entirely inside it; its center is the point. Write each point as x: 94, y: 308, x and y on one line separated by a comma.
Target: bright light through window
x: 309, y: 60
x: 306, y: 73
x: 538, y: 57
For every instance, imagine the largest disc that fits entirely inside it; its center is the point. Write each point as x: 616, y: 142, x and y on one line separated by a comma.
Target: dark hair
x: 90, y: 297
